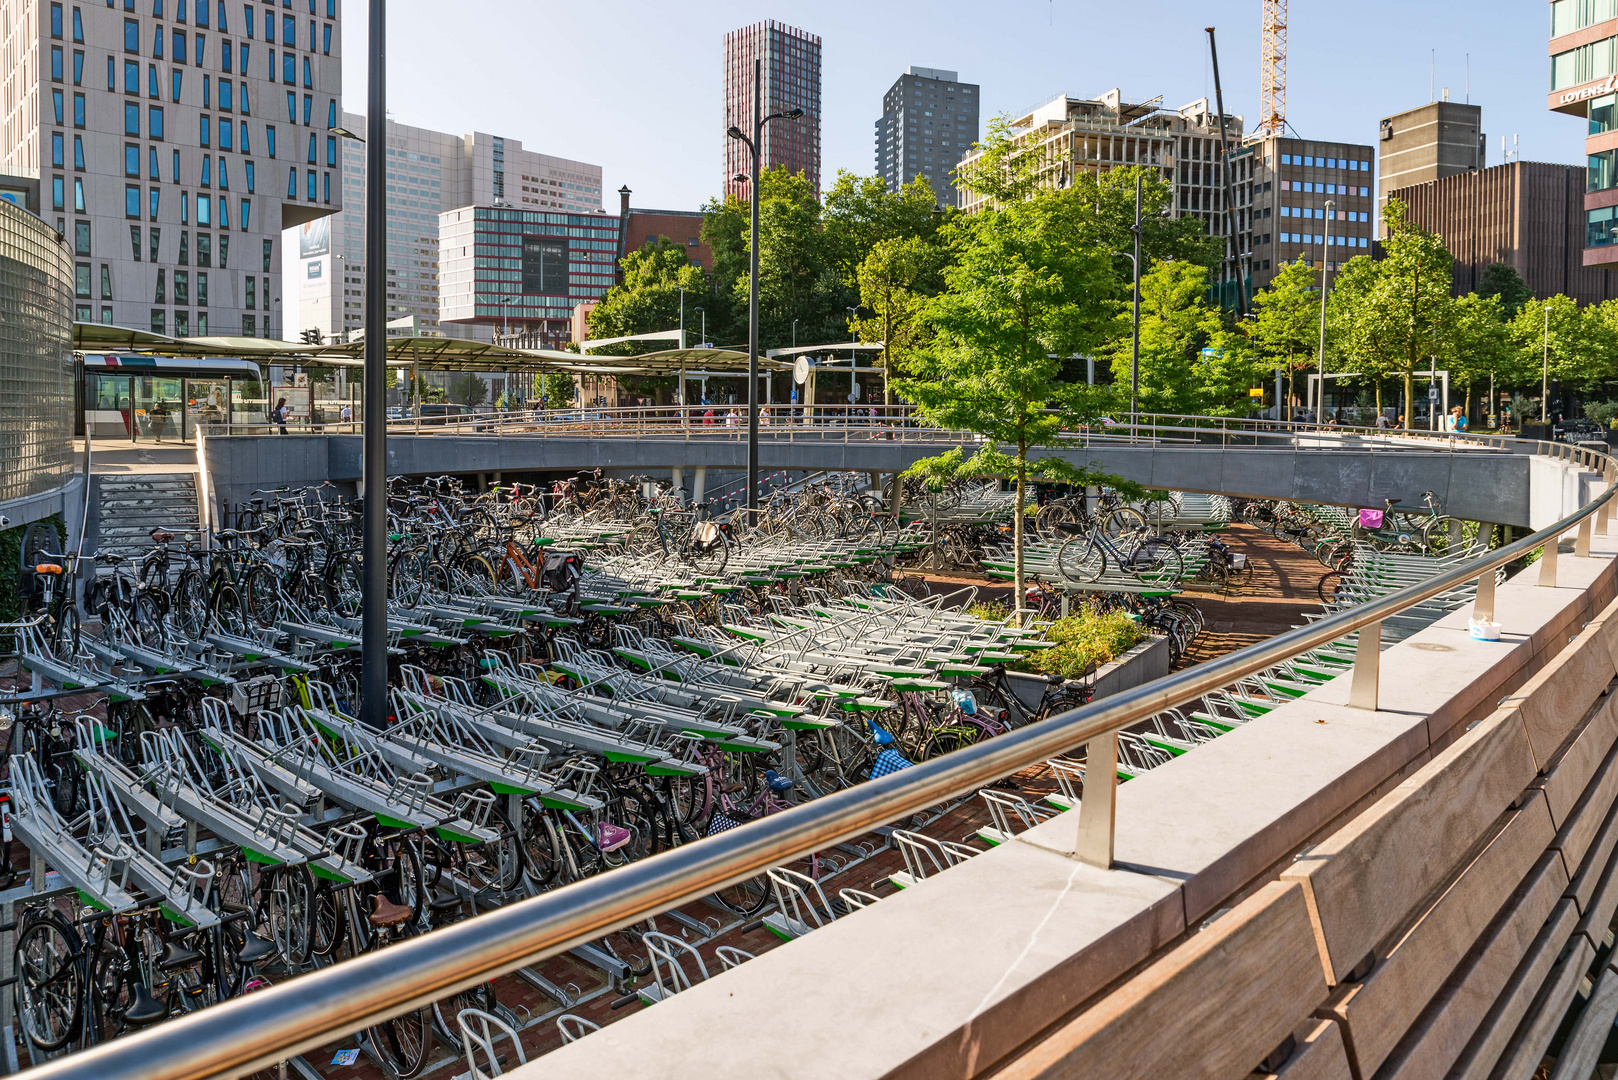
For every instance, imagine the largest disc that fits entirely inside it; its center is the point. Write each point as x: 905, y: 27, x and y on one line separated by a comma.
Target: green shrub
x: 1086, y: 639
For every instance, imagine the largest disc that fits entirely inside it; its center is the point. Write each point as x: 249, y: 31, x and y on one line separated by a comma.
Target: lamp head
x: 734, y: 132
x: 740, y: 178
x: 794, y: 114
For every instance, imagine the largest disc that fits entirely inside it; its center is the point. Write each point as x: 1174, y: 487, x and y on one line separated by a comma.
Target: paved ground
x: 1283, y: 587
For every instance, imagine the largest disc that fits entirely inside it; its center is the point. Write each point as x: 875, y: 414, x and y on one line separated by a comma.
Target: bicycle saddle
x: 254, y: 949
x: 1055, y: 680
x: 1393, y: 502
x: 444, y: 901
x: 880, y: 735
x: 177, y: 956
x: 145, y: 1009
x: 385, y: 912
x: 1073, y: 527
x: 160, y: 536
x: 777, y: 782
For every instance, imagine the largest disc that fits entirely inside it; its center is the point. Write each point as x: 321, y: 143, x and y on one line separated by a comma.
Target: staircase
x: 132, y: 506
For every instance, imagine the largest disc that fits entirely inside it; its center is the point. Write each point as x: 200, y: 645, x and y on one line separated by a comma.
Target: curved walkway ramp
x: 1504, y: 481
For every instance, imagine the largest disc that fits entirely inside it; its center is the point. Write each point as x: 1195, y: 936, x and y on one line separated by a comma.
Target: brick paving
x: 1283, y: 588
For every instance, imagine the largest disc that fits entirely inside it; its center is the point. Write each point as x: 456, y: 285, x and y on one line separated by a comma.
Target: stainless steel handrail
x: 249, y: 1033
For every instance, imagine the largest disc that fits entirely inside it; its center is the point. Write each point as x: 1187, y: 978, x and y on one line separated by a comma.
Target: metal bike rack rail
x: 253, y: 1032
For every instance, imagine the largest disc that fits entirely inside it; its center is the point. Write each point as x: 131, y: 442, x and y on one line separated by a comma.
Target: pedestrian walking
x: 278, y: 415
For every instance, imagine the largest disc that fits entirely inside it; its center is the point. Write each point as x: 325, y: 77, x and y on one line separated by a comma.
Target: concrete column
x: 699, y: 483
x: 679, y: 477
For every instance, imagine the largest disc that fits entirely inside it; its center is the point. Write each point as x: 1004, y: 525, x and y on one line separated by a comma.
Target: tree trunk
x: 1410, y: 400
x: 1378, y: 397
x: 1017, y: 596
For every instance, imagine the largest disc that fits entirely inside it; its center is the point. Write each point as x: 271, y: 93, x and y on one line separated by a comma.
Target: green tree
x: 1176, y: 324
x: 895, y: 281
x: 1501, y: 280
x: 1022, y: 293
x: 469, y: 389
x: 1398, y: 311
x: 649, y: 298
x: 860, y: 213
x: 555, y: 388
x: 1555, y: 338
x: 1481, y: 347
x: 1286, y: 333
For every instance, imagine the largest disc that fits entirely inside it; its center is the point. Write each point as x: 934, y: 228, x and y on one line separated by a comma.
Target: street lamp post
x: 374, y: 595
x: 505, y: 315
x: 704, y: 313
x: 1545, y: 377
x: 794, y: 333
x: 1320, y: 388
x: 682, y: 315
x: 1134, y: 342
x: 752, y: 145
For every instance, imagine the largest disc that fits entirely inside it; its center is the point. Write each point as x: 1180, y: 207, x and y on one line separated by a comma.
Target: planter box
x: 1147, y: 661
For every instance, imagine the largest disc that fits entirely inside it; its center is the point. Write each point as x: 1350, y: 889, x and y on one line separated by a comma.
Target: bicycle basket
x: 252, y: 695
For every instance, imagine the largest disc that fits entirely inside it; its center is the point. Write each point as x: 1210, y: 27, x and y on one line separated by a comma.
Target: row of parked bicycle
x: 204, y: 811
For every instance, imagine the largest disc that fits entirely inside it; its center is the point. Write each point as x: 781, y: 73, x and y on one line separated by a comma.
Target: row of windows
x: 1570, y: 15
x: 201, y: 9
x: 1329, y: 215
x: 1332, y: 241
x: 1311, y: 162
x: 205, y: 130
x: 1575, y: 66
x: 1325, y: 189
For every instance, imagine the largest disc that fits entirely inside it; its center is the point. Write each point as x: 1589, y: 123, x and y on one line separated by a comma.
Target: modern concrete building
x: 1097, y: 135
x: 173, y: 143
x: 1436, y: 140
x: 791, y: 80
x: 429, y: 172
x: 929, y: 121
x: 525, y: 269
x: 1289, y: 183
x: 1584, y: 75
x: 1528, y: 214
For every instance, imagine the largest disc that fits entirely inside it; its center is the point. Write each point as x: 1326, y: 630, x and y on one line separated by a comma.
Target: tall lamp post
x: 752, y: 145
x: 374, y: 595
x: 1545, y: 376
x: 1134, y: 343
x: 1320, y: 387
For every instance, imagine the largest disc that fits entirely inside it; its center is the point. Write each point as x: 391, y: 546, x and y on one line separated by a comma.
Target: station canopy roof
x: 438, y: 353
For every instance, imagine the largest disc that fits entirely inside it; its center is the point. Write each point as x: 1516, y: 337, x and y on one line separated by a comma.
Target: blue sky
x: 636, y: 86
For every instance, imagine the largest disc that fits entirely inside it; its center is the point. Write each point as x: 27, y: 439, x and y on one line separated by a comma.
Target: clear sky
x: 636, y: 86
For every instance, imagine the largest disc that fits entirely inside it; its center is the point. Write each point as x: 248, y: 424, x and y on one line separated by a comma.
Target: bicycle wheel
x: 263, y: 596
x: 226, y: 610
x: 146, y: 614
x: 290, y: 910
x: 479, y: 569
x: 1154, y: 561
x: 403, y: 1042
x: 1329, y: 584
x: 328, y: 922
x: 65, y: 634
x: 1080, y: 560
x: 746, y: 898
x: 408, y: 576
x: 191, y: 603
x: 708, y: 551
x: 50, y: 990
x: 1443, y: 535
x: 541, y: 849
x: 342, y: 585
x: 1122, y: 520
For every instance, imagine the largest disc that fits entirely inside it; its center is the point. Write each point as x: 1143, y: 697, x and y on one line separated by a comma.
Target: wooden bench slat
x: 1377, y: 1012
x: 1571, y: 773
x: 1366, y: 879
x: 1257, y: 962
x: 1319, y: 1055
x: 1442, y: 1034
x: 1555, y: 700
x: 1497, y: 1028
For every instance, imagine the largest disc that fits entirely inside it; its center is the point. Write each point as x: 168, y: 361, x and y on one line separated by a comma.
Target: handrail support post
x: 1099, y: 806
x: 1547, y: 563
x: 1581, y: 546
x: 1362, y: 692
x: 1483, y: 605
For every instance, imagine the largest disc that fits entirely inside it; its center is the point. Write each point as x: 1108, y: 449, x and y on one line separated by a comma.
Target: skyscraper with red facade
x: 790, y: 80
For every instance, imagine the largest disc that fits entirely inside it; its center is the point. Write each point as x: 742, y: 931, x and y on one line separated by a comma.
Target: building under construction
x: 1078, y: 135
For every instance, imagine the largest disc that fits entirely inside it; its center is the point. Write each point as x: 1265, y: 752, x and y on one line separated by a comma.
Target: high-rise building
x: 526, y: 269
x: 1527, y: 214
x: 790, y: 80
x: 429, y: 172
x: 1584, y: 77
x: 151, y: 130
x: 1286, y: 216
x: 929, y: 121
x: 1436, y: 140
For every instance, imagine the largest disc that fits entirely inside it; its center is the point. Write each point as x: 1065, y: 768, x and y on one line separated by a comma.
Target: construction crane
x: 1273, y: 75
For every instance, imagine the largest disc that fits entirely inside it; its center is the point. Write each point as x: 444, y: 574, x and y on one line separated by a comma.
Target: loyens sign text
x: 1595, y: 89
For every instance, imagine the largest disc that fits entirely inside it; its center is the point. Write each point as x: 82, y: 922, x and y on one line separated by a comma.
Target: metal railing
x: 255, y: 1031
x: 899, y: 423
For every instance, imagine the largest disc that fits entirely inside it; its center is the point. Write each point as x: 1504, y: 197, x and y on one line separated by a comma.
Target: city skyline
x: 666, y: 152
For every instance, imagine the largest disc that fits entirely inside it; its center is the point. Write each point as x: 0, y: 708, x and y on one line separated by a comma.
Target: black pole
x: 374, y: 612
x: 1134, y: 347
x: 1235, y: 258
x: 752, y: 307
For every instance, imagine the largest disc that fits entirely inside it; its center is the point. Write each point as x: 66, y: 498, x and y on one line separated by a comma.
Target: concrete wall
x: 1477, y: 485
